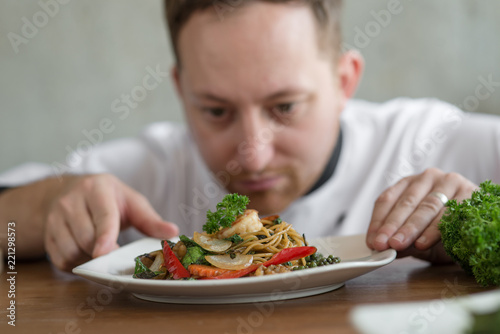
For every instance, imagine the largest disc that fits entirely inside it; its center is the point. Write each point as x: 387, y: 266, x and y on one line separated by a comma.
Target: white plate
x: 116, y: 268
x: 450, y: 314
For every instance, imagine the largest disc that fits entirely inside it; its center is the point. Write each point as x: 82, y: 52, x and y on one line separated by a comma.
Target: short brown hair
x: 326, y: 13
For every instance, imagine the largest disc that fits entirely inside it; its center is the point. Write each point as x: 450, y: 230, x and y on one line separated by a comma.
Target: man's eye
x: 216, y: 112
x: 283, y: 108
x: 283, y: 111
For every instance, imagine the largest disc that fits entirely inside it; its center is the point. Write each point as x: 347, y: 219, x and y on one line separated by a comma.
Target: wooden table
x: 50, y: 301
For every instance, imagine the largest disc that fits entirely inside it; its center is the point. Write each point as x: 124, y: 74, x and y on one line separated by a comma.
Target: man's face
x: 262, y: 100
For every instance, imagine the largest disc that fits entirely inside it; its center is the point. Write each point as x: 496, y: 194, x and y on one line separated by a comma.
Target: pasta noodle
x: 269, y: 240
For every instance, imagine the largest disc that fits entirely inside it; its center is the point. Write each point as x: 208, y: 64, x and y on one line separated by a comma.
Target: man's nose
x: 256, y: 147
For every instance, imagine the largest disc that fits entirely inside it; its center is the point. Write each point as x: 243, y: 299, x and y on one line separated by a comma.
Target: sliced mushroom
x: 210, y: 243
x: 231, y: 262
x: 154, y: 264
x: 158, y: 262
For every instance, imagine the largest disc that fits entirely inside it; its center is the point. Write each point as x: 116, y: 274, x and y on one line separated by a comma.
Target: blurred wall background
x: 66, y: 66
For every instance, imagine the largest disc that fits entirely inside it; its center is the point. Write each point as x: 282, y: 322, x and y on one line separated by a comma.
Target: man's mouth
x: 258, y: 183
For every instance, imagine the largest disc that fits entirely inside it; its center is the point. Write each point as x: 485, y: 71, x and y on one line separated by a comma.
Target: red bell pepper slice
x: 290, y: 254
x: 285, y: 255
x: 172, y: 263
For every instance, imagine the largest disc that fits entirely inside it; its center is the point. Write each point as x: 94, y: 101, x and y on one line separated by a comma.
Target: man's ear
x: 176, y: 78
x: 350, y: 70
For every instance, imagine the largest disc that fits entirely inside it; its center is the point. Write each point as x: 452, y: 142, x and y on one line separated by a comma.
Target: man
x: 265, y: 90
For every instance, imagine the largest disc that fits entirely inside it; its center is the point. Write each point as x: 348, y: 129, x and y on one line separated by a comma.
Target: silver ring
x: 442, y: 197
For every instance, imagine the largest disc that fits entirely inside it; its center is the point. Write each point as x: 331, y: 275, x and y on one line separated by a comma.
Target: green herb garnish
x: 235, y: 239
x: 470, y: 231
x: 228, y: 209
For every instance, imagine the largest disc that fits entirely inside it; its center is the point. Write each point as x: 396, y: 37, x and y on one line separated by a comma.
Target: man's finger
x: 383, y: 205
x: 63, y: 249
x: 141, y: 215
x: 103, y: 205
x: 429, y: 208
x: 72, y: 254
x: 81, y: 226
x: 408, y: 202
x: 431, y: 235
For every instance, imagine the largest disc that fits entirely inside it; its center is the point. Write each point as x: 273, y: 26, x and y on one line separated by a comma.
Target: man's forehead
x: 267, y: 49
x: 256, y: 28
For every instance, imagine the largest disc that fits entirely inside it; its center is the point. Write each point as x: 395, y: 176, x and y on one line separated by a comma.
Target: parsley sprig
x: 470, y: 231
x: 228, y: 209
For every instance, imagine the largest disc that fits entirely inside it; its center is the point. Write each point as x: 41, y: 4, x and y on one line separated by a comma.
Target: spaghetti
x: 269, y: 240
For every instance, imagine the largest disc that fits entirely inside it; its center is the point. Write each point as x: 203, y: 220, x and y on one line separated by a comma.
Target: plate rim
x: 387, y: 256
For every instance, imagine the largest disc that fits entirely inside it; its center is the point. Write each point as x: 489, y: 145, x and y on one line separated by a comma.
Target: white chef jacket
x: 381, y: 144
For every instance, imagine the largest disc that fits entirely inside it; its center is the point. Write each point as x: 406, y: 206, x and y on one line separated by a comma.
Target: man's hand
x: 84, y: 218
x: 406, y: 215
